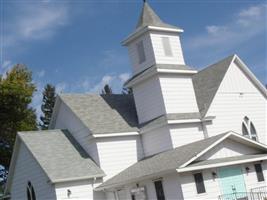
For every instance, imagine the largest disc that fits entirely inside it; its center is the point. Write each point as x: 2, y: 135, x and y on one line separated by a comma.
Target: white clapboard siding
x: 148, y: 99
x: 178, y: 94
x: 213, y: 185
x: 110, y: 195
x: 189, y: 188
x: 156, y: 140
x: 149, y: 54
x: 118, y: 153
x: 251, y: 177
x: 27, y: 169
x: 171, y: 186
x: 228, y: 148
x: 184, y: 133
x: 236, y: 98
x: 175, y: 44
x: 79, y: 190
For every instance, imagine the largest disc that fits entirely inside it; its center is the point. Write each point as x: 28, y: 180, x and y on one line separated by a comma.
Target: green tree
x: 16, y: 92
x: 49, y: 98
x: 107, y: 90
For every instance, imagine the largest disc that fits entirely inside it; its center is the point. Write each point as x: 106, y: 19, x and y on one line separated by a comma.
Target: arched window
x: 30, y: 192
x: 248, y: 129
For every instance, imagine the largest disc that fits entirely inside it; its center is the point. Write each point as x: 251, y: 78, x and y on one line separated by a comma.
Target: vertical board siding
x: 236, y: 98
x: 149, y: 54
x: 118, y: 153
x: 156, y: 141
x: 185, y: 133
x: 175, y: 44
x: 178, y: 94
x: 148, y: 100
x: 27, y: 169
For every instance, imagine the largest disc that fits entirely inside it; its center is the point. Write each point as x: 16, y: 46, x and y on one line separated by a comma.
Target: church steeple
x: 159, y: 71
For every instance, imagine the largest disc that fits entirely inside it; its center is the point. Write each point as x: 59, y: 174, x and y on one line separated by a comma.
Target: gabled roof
x: 173, y: 159
x: 60, y: 156
x: 207, y: 81
x: 148, y: 17
x: 114, y: 113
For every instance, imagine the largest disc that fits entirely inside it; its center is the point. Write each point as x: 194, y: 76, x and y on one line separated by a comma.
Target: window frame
x: 141, y: 51
x: 167, y: 48
x: 159, y: 197
x: 200, y: 186
x: 259, y: 172
x: 248, y: 129
x: 30, y: 191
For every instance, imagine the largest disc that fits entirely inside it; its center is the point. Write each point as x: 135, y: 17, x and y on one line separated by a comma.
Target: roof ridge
x: 213, y: 65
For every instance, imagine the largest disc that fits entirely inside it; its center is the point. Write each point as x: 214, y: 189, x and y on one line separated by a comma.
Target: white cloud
x: 35, y: 21
x: 41, y: 73
x: 245, y: 25
x: 114, y: 81
x: 61, y: 87
x: 124, y: 77
x: 5, y: 67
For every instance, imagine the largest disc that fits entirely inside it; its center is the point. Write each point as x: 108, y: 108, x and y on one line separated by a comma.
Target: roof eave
x: 55, y: 181
x: 144, y: 29
x: 222, y: 164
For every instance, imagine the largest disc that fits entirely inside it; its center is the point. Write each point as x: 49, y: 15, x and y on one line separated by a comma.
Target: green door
x: 231, y: 180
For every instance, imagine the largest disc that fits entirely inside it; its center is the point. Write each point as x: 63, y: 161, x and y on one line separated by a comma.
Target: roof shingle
x: 60, y: 156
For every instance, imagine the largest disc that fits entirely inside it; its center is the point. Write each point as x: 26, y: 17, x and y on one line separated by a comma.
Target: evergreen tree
x: 107, y: 90
x: 49, y: 98
x: 16, y: 92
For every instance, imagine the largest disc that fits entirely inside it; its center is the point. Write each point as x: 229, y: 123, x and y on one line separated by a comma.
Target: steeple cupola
x: 161, y: 82
x: 153, y: 42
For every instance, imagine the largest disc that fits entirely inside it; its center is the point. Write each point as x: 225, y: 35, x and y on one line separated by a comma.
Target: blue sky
x: 75, y: 45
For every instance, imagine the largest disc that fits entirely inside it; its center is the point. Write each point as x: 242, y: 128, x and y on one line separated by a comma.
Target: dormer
x: 153, y: 42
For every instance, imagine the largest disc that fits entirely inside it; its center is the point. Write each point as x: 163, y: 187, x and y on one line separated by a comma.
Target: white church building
x: 182, y: 134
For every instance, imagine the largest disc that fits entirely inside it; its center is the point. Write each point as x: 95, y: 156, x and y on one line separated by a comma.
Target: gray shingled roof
x: 162, y: 162
x: 149, y: 18
x: 104, y: 113
x: 172, y: 116
x: 158, y: 66
x: 207, y: 82
x: 60, y: 156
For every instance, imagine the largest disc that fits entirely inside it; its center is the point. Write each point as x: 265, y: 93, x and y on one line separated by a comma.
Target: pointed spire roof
x: 148, y: 17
